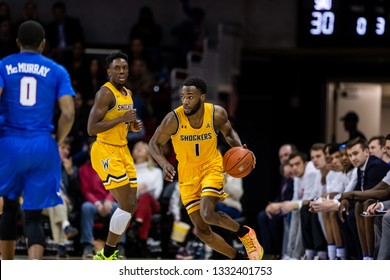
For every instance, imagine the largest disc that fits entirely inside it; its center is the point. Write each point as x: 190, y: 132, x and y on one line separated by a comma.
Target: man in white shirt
x: 305, y: 175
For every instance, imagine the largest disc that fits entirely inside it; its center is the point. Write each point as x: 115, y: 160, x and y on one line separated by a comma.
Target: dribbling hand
x: 254, y: 157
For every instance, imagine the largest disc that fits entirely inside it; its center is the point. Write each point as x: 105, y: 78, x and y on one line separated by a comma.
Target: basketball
x: 238, y: 162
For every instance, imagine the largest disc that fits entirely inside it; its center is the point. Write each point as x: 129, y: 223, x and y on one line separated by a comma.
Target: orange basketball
x: 238, y: 162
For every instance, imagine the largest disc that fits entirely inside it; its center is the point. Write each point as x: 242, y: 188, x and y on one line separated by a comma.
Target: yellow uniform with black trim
x: 110, y: 155
x: 200, y: 165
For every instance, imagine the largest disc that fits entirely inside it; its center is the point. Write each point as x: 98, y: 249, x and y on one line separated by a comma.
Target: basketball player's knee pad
x: 33, y: 228
x: 119, y: 221
x: 8, y: 229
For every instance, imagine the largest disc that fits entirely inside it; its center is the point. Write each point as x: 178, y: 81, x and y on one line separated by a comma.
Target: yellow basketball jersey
x: 116, y: 135
x: 195, y: 146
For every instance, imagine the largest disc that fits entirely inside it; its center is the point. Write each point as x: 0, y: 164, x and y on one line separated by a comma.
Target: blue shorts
x: 30, y: 168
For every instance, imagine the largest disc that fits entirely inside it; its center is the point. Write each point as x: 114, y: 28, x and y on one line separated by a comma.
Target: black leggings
x: 33, y: 228
x: 8, y: 219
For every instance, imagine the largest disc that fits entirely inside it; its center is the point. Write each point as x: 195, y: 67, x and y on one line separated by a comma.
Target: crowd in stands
x: 307, y: 220
x: 339, y: 207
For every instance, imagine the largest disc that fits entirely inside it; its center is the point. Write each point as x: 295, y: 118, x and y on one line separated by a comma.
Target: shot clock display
x: 343, y: 23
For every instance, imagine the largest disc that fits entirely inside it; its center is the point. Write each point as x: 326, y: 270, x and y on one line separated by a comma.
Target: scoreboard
x: 343, y: 23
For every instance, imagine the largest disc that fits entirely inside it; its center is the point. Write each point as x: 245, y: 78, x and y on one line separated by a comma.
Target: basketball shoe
x: 101, y: 257
x: 252, y: 246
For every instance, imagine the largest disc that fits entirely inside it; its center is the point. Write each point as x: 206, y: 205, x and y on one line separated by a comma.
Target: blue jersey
x: 30, y: 165
x: 32, y: 85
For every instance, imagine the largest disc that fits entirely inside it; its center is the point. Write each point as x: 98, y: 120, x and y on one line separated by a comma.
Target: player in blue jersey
x: 30, y: 87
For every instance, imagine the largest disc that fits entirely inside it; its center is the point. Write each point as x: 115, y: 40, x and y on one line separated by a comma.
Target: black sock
x: 109, y: 250
x: 242, y: 231
x: 240, y: 256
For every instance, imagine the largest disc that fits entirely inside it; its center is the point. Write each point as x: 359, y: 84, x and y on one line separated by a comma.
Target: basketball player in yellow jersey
x: 193, y: 129
x: 110, y: 118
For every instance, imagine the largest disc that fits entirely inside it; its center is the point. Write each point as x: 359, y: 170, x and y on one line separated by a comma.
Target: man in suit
x: 371, y: 170
x: 380, y: 192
